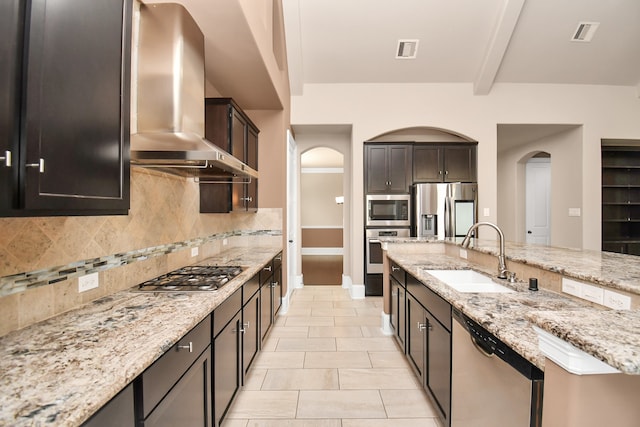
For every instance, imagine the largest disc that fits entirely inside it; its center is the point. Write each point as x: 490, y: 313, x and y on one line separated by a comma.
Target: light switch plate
x: 194, y: 251
x: 88, y: 282
x: 486, y: 212
x: 574, y: 212
x: 592, y: 293
x: 571, y: 287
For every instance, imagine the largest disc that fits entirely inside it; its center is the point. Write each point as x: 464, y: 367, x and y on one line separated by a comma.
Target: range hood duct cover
x: 170, y: 98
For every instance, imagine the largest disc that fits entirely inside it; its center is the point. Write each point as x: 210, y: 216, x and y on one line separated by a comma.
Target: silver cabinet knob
x: 39, y: 165
x: 7, y: 158
x: 186, y: 347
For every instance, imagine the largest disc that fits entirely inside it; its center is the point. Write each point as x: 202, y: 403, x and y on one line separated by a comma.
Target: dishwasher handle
x: 482, y: 347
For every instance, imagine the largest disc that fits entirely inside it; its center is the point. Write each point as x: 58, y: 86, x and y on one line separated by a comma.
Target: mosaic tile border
x: 28, y: 280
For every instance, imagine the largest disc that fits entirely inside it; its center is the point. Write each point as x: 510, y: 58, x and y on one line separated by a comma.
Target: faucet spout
x: 502, y: 267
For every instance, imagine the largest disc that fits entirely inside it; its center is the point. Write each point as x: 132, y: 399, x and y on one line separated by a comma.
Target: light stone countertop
x: 62, y: 370
x: 609, y: 335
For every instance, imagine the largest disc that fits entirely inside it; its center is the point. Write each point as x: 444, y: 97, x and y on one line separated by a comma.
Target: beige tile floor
x: 326, y: 363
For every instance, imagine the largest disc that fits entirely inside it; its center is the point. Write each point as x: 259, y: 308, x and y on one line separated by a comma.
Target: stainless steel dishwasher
x: 491, y: 384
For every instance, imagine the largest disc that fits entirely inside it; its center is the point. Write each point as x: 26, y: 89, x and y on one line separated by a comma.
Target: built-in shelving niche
x: 621, y: 196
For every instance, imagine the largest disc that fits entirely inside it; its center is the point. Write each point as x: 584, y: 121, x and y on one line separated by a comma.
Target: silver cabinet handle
x: 7, y: 158
x: 422, y: 326
x: 246, y: 199
x: 186, y: 347
x: 273, y: 284
x: 39, y: 165
x: 267, y: 268
x: 245, y: 326
x: 279, y: 258
x: 394, y: 268
x: 243, y: 330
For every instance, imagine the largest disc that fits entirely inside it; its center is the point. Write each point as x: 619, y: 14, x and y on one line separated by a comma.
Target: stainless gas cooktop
x: 194, y: 278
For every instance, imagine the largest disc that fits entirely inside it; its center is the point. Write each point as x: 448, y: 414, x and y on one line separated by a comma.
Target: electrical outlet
x: 592, y: 293
x: 486, y: 212
x: 88, y: 282
x: 574, y: 212
x: 616, y: 301
x: 194, y: 251
x: 225, y: 242
x: 571, y: 287
x: 463, y: 253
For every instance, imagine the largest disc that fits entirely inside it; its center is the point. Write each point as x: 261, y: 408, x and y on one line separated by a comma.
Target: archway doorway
x: 322, y: 216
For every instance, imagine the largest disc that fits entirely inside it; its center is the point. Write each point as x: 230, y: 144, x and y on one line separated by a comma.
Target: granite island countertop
x: 62, y: 370
x: 609, y: 335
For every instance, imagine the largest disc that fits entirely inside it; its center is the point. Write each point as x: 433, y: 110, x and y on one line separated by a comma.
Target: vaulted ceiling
x: 482, y: 42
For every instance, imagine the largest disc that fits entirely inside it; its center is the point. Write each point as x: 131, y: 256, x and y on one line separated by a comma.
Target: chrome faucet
x: 502, y: 268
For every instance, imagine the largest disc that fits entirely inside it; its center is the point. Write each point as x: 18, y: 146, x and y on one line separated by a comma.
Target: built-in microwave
x: 388, y: 210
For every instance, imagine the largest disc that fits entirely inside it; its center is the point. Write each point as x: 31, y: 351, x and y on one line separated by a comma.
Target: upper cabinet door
x: 11, y: 30
x: 76, y: 139
x: 400, y: 168
x: 427, y: 163
x: 388, y: 168
x: 460, y: 164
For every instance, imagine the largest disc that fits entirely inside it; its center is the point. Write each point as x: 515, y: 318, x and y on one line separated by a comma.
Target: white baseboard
x: 346, y: 282
x: 386, y: 324
x: 284, y: 308
x: 299, y: 284
x: 356, y: 291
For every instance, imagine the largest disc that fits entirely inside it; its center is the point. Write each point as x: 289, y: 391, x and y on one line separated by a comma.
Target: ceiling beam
x: 293, y: 34
x: 498, y: 46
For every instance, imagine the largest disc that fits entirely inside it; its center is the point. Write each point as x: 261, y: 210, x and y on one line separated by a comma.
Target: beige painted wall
x: 373, y: 109
x: 566, y: 187
x: 318, y: 207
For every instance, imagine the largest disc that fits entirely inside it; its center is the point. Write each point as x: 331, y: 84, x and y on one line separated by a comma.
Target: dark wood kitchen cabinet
x: 65, y: 113
x: 266, y: 316
x: 227, y: 126
x: 397, y: 280
x: 387, y: 168
x: 250, y: 323
x: 428, y: 345
x: 176, y: 389
x: 118, y: 412
x: 444, y: 163
x: 276, y: 286
x: 227, y: 351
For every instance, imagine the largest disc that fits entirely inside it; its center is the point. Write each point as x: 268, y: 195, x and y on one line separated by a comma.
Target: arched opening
x: 322, y: 216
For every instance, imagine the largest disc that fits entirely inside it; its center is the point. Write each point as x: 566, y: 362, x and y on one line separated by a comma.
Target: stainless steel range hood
x: 170, y: 99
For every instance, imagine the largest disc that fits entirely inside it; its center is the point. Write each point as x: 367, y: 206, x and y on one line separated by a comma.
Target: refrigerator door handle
x: 447, y: 217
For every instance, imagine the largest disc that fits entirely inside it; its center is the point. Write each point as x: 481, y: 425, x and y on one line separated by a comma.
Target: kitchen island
x: 606, y: 335
x: 61, y: 371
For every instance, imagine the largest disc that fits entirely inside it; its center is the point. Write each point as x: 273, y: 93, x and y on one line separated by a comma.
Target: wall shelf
x: 621, y: 197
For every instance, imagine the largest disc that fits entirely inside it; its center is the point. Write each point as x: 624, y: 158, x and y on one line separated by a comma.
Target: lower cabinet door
x: 265, y: 310
x: 226, y: 367
x: 189, y: 401
x: 250, y: 332
x: 438, y: 375
x: 416, y: 326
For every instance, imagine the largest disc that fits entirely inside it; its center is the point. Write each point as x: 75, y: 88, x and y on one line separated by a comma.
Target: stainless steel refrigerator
x: 444, y: 210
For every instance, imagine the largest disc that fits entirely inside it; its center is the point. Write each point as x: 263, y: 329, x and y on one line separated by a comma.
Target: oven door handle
x: 374, y: 241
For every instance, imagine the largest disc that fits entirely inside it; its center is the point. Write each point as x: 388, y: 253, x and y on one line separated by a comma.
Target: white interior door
x: 292, y: 212
x: 538, y: 201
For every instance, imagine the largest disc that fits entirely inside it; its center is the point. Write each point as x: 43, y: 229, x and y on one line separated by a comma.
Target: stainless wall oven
x: 388, y: 210
x: 373, y: 246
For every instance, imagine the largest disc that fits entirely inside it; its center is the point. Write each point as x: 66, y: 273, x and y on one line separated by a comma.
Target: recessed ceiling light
x: 585, y: 31
x: 407, y: 49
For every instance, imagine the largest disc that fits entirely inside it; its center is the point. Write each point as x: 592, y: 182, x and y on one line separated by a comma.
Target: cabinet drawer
x: 266, y: 273
x: 277, y: 262
x: 165, y: 372
x: 250, y: 288
x: 398, y: 273
x: 437, y: 306
x: 225, y: 311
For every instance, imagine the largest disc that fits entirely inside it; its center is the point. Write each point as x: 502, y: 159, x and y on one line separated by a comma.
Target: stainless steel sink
x: 468, y: 281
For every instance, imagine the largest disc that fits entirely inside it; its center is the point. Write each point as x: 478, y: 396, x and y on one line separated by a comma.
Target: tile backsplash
x: 41, y: 258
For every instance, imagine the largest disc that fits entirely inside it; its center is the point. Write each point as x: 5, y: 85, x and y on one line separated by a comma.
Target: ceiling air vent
x: 585, y: 31
x: 407, y: 49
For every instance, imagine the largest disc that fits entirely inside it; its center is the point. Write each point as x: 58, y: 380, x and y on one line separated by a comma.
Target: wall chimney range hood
x: 170, y: 99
